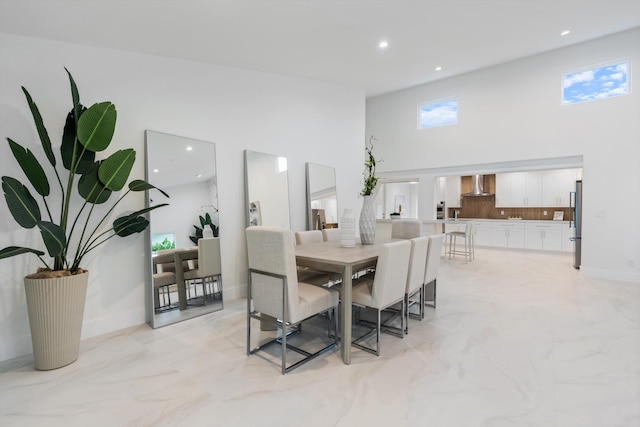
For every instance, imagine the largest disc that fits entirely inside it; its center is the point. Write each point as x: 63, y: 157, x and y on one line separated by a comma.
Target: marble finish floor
x: 517, y: 339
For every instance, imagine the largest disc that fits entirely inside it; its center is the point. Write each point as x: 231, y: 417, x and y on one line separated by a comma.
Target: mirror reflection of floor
x: 197, y: 305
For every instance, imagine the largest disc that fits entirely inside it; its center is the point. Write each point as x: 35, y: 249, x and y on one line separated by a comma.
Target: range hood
x: 477, y: 187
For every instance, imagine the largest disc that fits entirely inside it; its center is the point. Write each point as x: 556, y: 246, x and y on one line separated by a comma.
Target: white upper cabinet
x: 535, y: 189
x: 556, y: 186
x: 518, y: 189
x: 452, y: 191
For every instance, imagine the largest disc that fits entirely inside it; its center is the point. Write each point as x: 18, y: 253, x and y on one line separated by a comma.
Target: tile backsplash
x: 485, y: 207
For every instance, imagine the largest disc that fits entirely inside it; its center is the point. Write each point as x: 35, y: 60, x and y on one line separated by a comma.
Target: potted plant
x: 367, y: 223
x: 201, y: 231
x: 56, y: 293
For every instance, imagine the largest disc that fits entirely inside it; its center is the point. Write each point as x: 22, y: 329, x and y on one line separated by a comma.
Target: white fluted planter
x: 368, y: 221
x: 56, y: 310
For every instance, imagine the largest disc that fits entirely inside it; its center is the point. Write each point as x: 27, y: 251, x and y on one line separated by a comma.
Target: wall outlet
x: 544, y: 213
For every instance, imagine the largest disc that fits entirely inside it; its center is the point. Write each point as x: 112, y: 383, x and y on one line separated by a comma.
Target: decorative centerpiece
x: 56, y: 293
x: 368, y: 213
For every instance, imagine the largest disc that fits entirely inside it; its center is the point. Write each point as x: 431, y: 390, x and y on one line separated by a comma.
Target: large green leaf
x: 42, y: 131
x: 125, y: 226
x: 114, y: 170
x: 22, y: 205
x: 53, y: 237
x: 75, y: 96
x: 96, y: 126
x: 140, y: 185
x: 17, y: 250
x: 31, y: 168
x: 70, y: 143
x: 91, y: 188
x: 133, y: 222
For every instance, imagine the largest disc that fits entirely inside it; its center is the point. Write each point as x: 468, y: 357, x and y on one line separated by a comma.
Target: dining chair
x: 275, y: 296
x: 384, y: 289
x: 406, y: 229
x: 308, y: 275
x: 431, y: 270
x: 164, y: 277
x: 209, y: 269
x: 310, y: 236
x: 331, y: 234
x: 415, y: 278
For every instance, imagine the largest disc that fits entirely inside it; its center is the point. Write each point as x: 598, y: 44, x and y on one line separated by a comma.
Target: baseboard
x: 621, y: 276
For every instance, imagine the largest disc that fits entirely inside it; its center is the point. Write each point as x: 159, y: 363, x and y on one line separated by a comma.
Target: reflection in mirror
x: 322, y: 199
x: 184, y: 248
x: 266, y: 189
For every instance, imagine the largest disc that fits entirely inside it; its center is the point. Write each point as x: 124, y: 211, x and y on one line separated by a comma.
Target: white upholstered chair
x: 164, y: 277
x: 432, y: 268
x: 209, y: 269
x: 384, y: 289
x: 331, y: 234
x: 307, y: 275
x: 275, y: 295
x: 310, y: 236
x: 415, y: 277
x: 406, y: 229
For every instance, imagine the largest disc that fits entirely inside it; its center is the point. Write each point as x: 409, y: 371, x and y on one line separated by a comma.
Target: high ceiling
x: 330, y: 40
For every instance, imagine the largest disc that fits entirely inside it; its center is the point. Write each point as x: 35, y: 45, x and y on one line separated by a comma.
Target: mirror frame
x: 248, y: 201
x: 156, y: 320
x: 308, y: 167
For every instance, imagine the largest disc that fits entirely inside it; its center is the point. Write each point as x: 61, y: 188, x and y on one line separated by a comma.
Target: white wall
x: 236, y: 109
x: 511, y: 114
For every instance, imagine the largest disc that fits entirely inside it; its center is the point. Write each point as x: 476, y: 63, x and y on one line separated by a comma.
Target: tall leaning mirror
x: 322, y: 197
x: 185, y: 279
x: 266, y: 189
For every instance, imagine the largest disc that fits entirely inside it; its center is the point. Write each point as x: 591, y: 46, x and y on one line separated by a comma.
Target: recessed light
x: 156, y: 170
x: 565, y: 32
x: 199, y: 175
x: 438, y: 68
x: 189, y: 148
x: 383, y: 44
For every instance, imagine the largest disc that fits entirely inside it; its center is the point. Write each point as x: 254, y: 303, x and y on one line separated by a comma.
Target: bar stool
x: 468, y: 236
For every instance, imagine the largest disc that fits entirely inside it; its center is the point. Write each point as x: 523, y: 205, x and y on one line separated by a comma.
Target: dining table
x: 332, y: 257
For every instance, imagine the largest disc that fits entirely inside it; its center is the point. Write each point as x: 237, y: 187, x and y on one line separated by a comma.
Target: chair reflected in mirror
x: 164, y: 281
x: 206, y: 271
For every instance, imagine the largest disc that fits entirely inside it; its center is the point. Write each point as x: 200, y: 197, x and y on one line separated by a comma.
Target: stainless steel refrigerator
x: 575, y: 222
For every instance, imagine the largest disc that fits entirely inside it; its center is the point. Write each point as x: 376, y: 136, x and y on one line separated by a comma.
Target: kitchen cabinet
x: 518, y: 189
x: 543, y: 236
x: 483, y: 234
x: 556, y: 186
x: 508, y: 235
x: 452, y: 191
x: 536, y: 189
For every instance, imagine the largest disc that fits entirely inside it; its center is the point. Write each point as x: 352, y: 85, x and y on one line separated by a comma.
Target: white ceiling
x: 330, y: 40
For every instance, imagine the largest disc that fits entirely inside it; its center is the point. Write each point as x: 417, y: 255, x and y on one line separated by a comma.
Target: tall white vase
x: 368, y: 221
x: 56, y: 310
x: 347, y: 229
